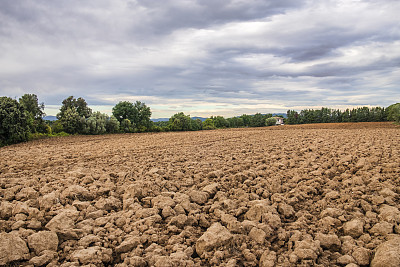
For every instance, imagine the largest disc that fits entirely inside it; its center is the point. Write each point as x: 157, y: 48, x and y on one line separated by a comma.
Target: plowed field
x: 304, y: 195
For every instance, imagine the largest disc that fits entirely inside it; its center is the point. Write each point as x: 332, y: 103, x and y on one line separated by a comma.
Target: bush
x: 96, y: 123
x: 60, y: 134
x: 36, y: 136
x: 57, y: 127
x: 270, y: 121
x: 126, y: 126
x: 208, y: 124
x: 112, y: 125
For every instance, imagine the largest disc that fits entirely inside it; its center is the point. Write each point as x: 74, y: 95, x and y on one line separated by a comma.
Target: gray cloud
x: 205, y: 57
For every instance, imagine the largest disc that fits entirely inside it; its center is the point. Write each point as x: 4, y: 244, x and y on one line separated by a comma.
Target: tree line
x: 182, y: 122
x: 361, y: 114
x: 23, y: 119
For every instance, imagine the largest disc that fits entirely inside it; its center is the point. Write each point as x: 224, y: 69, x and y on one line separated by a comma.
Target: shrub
x: 208, y: 124
x: 270, y: 121
x: 57, y: 127
x: 112, y: 125
x: 96, y: 123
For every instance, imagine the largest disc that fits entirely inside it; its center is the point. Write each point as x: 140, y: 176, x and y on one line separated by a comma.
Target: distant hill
x: 167, y: 119
x: 280, y: 114
x: 160, y: 119
x: 50, y: 118
x: 201, y: 118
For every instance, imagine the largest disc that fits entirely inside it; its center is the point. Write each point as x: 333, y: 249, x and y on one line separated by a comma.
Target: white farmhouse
x: 279, y: 120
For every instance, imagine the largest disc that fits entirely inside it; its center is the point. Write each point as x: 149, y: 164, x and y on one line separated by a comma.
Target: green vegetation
x: 34, y: 113
x: 133, y: 117
x: 270, y: 121
x: 393, y: 112
x: 208, y: 124
x: 23, y: 120
x: 13, y: 122
x: 326, y: 115
x: 73, y: 115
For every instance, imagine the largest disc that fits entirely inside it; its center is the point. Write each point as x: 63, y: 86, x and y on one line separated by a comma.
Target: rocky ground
x: 304, y: 195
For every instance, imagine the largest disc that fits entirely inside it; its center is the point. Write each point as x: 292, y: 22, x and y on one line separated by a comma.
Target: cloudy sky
x: 203, y: 57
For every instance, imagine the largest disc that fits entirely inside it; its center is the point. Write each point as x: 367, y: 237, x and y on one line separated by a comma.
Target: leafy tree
x: 72, y: 122
x: 112, y: 125
x: 246, y: 120
x: 126, y: 126
x: 33, y: 113
x: 123, y: 110
x: 220, y: 122
x: 346, y: 116
x: 326, y: 115
x: 393, y: 112
x: 235, y: 122
x: 73, y: 114
x: 257, y: 120
x: 139, y: 114
x: 13, y: 125
x: 196, y: 125
x: 208, y: 124
x: 79, y: 105
x: 96, y: 123
x: 180, y: 122
x: 270, y: 121
x: 31, y: 105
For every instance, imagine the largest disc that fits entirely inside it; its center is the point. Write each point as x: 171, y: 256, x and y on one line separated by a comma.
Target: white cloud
x: 202, y: 56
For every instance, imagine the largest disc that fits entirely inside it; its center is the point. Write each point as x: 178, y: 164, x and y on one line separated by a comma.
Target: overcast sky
x: 202, y: 57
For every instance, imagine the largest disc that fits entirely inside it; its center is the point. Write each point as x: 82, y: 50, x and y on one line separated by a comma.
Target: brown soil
x: 307, y: 195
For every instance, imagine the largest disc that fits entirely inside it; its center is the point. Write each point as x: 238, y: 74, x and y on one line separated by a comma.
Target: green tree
x: 220, y: 122
x: 72, y: 122
x: 126, y: 126
x: 180, y: 122
x: 257, y: 120
x: 112, y: 125
x: 235, y: 122
x: 141, y: 119
x: 33, y: 113
x: 96, y: 123
x: 13, y: 124
x: 196, y: 125
x: 123, y: 110
x: 393, y: 112
x: 73, y: 114
x: 139, y: 114
x: 293, y: 117
x: 208, y: 124
x: 31, y: 105
x: 246, y: 120
x: 79, y: 105
x: 270, y: 121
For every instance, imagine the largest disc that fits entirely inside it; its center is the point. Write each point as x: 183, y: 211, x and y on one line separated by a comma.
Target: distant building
x: 279, y: 120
